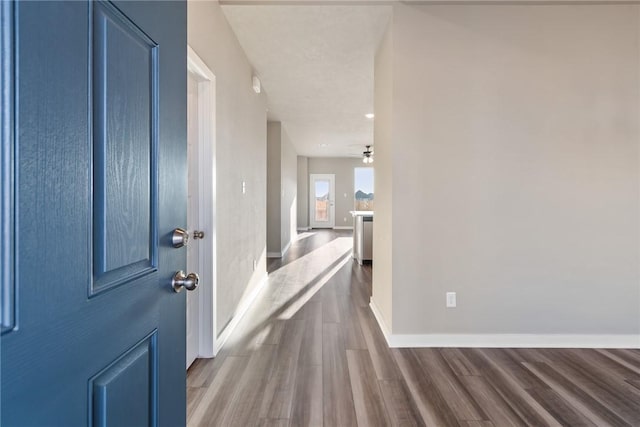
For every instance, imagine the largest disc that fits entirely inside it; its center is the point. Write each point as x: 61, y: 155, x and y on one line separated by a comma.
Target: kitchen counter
x: 361, y: 213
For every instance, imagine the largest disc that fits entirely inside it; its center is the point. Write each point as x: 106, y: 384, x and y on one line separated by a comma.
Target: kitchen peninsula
x: 362, y: 235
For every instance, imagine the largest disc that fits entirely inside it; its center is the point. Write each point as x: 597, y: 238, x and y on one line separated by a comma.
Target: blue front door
x: 94, y: 182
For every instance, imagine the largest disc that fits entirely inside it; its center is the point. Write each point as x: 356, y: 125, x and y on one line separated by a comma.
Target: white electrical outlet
x: 451, y: 299
x: 244, y: 187
x: 255, y: 265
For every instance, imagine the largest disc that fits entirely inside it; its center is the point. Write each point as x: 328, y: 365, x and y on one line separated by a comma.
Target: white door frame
x: 207, y: 201
x: 332, y: 200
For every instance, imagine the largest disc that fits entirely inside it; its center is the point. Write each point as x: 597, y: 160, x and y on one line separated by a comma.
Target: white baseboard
x: 505, y: 340
x: 243, y: 306
x: 386, y: 331
x: 279, y: 254
x: 343, y: 227
x: 303, y: 228
x: 515, y: 341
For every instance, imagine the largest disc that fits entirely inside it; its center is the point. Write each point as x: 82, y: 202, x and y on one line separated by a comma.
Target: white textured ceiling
x: 316, y: 67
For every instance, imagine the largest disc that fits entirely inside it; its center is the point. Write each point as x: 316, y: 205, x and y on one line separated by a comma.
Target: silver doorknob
x: 198, y: 234
x: 179, y: 238
x: 184, y: 280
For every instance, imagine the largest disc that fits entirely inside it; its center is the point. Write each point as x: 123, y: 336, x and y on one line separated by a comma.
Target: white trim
x: 343, y: 227
x: 332, y: 199
x: 378, y: 315
x: 515, y: 341
x: 207, y: 204
x: 279, y: 254
x: 504, y: 340
x: 242, y: 309
x: 303, y: 229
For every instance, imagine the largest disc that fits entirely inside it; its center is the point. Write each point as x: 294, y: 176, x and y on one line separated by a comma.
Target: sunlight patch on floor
x: 288, y: 290
x: 304, y: 235
x: 305, y: 276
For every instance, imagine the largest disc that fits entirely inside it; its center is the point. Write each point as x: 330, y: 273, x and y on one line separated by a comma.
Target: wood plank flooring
x: 310, y: 353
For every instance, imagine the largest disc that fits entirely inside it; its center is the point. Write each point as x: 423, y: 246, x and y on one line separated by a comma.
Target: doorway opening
x: 201, y: 208
x: 322, y: 190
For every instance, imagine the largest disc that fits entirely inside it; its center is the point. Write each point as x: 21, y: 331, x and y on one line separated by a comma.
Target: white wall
x: 303, y: 192
x: 289, y: 191
x: 274, y: 137
x: 382, y: 289
x: 343, y: 169
x: 241, y: 156
x: 515, y: 168
x: 281, y: 190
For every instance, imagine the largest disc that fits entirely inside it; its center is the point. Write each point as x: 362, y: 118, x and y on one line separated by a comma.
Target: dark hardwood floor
x: 310, y: 353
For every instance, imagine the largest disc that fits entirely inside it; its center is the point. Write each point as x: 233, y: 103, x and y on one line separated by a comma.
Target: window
x: 322, y: 200
x: 363, y: 184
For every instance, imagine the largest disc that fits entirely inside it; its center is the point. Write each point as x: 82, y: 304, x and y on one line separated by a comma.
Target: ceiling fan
x: 367, y: 155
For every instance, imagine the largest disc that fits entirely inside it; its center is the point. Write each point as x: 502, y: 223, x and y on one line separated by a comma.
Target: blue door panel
x: 125, y: 105
x: 7, y: 148
x: 133, y: 374
x: 100, y: 183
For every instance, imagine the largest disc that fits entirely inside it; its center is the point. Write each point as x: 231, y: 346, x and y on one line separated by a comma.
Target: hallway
x: 309, y: 352
x: 291, y: 356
